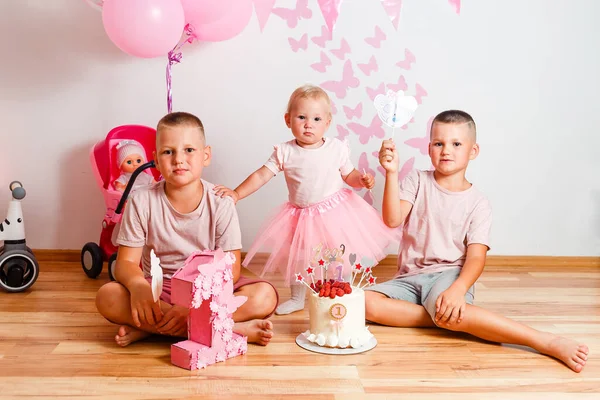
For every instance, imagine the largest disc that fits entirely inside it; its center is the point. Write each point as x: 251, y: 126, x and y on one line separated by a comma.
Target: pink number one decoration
x: 205, y: 285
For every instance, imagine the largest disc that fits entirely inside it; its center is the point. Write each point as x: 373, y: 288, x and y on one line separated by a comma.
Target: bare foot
x: 259, y: 331
x: 568, y: 351
x: 127, y: 335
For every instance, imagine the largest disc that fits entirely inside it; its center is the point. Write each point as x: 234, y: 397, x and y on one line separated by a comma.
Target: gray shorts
x: 421, y: 289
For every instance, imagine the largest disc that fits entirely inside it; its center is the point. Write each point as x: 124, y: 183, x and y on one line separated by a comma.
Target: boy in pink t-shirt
x: 174, y: 218
x: 445, y: 239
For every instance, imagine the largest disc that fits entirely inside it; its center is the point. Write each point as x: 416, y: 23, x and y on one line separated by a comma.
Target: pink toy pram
x: 102, y: 157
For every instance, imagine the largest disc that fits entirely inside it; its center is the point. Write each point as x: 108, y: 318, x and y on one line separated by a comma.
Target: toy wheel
x: 18, y: 270
x: 91, y: 259
x: 111, y: 266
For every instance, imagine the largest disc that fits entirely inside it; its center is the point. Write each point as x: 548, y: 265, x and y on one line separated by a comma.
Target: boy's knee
x: 264, y: 298
x: 372, y: 300
x: 107, y: 298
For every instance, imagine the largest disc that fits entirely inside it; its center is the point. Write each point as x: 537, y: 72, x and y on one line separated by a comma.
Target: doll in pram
x: 106, y: 158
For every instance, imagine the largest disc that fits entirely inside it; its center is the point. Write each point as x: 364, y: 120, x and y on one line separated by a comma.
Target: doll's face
x: 131, y: 163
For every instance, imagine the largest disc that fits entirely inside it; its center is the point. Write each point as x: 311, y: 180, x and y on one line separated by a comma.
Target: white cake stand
x: 303, y: 342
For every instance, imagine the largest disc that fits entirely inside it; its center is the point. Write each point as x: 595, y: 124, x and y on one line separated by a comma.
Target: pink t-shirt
x: 151, y: 221
x: 440, y: 225
x: 311, y: 174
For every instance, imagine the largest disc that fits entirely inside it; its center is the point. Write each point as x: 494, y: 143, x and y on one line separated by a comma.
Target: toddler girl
x: 320, y: 211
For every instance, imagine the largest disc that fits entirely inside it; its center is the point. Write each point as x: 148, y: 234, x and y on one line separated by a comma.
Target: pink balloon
x: 214, y: 21
x: 143, y: 28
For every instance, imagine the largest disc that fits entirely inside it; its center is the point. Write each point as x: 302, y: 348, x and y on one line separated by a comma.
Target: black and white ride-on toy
x: 18, y: 267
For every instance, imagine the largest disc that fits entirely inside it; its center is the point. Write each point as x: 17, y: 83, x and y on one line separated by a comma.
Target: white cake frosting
x: 338, y: 322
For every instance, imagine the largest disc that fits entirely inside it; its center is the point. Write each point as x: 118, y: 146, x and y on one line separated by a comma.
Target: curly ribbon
x: 174, y: 57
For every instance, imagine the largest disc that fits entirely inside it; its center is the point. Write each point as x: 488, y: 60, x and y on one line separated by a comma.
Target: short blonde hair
x: 179, y: 118
x: 309, y: 92
x: 457, y: 117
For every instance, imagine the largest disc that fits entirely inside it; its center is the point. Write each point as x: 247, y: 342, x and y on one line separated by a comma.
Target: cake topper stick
x: 310, y: 271
x: 395, y: 109
x: 300, y: 278
x: 366, y: 272
x: 370, y: 281
x: 357, y: 268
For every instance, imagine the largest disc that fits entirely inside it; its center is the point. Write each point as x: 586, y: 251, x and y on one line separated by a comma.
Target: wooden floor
x: 53, y: 344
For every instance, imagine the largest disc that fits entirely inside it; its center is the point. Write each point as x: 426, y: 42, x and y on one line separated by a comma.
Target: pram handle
x: 134, y: 175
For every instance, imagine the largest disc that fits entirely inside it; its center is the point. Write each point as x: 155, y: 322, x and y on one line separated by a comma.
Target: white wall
x: 526, y: 70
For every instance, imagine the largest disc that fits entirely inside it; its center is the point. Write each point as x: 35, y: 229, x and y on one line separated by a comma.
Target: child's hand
x: 223, y: 191
x: 174, y: 322
x: 388, y: 156
x: 367, y: 180
x: 143, y: 308
x: 450, y: 306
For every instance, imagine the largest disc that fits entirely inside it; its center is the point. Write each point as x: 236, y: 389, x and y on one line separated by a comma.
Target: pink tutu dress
x: 320, y: 211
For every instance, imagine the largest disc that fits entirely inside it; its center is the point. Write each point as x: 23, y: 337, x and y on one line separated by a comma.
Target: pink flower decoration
x: 221, y: 356
x: 230, y: 346
x: 227, y: 275
x: 228, y: 323
x: 244, y: 348
x: 206, y: 294
x: 206, y: 284
x: 232, y: 353
x: 218, y: 324
x: 214, y: 306
x: 217, y: 288
x: 227, y: 335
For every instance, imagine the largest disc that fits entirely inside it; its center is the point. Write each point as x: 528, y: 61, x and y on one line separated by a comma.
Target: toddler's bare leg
x: 385, y: 311
x: 496, y: 328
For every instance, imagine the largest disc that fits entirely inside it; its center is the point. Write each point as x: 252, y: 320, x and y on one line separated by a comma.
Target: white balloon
x: 156, y: 273
x: 395, y: 109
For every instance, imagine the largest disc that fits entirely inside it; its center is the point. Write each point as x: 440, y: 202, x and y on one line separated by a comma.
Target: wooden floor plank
x: 53, y: 336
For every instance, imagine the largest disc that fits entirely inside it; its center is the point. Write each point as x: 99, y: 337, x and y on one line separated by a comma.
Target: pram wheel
x: 92, y: 259
x: 18, y: 270
x: 111, y: 266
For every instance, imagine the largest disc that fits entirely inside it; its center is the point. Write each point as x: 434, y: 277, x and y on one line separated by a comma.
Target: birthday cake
x: 337, y: 315
x: 336, y: 307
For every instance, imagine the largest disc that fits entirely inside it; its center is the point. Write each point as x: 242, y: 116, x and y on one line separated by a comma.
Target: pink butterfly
x: 292, y: 16
x: 401, y: 85
x: 409, y: 58
x: 301, y: 44
x: 342, y: 132
x: 366, y: 132
x: 421, y: 143
x: 420, y: 93
x: 356, y: 112
x: 371, y: 66
x: 406, y: 168
x: 341, y: 52
x: 324, y: 38
x: 456, y: 5
x: 363, y: 164
x: 372, y: 93
x: 376, y: 40
x: 340, y: 88
x: 322, y: 66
